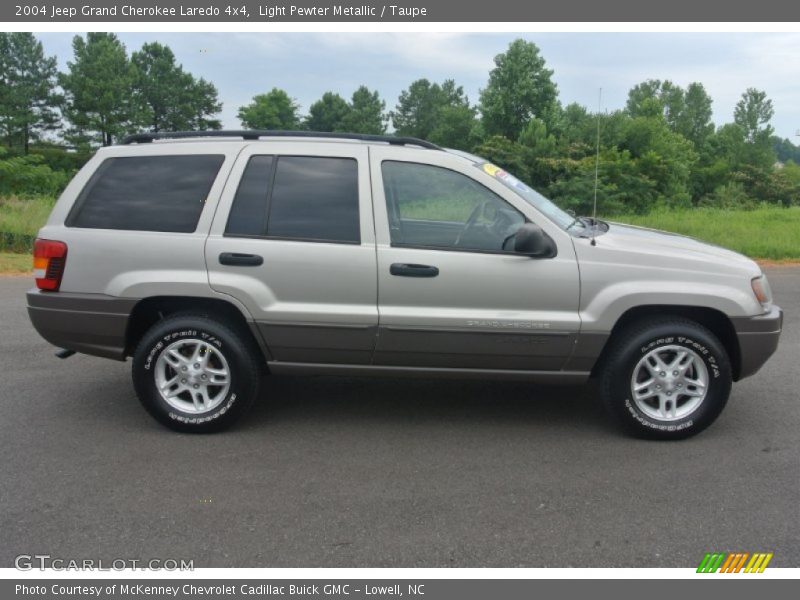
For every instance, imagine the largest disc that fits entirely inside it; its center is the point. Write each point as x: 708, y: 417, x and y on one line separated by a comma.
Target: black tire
x: 631, y: 345
x: 237, y: 349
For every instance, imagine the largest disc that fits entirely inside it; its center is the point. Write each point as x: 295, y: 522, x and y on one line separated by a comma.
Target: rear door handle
x: 410, y: 270
x: 236, y: 259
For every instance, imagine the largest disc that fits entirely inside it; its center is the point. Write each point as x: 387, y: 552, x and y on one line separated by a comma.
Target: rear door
x: 449, y: 295
x: 293, y: 240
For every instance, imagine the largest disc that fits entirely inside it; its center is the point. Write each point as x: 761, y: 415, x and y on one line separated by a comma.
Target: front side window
x: 147, y: 193
x: 306, y: 198
x: 435, y: 207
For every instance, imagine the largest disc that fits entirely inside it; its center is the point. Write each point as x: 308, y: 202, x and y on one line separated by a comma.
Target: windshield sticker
x: 505, y: 177
x: 492, y: 169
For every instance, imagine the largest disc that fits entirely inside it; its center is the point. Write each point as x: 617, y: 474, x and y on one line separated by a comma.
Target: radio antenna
x: 596, y: 167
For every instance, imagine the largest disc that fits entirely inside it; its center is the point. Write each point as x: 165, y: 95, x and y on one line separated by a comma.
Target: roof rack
x: 254, y: 134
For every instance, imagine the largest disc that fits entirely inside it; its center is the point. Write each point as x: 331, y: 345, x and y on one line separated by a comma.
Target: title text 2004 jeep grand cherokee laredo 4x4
x: 212, y: 260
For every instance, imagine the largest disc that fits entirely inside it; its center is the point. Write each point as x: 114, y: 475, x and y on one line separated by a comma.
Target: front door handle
x: 236, y: 259
x: 410, y: 270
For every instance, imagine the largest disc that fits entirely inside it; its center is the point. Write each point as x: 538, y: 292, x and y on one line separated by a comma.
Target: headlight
x: 762, y: 290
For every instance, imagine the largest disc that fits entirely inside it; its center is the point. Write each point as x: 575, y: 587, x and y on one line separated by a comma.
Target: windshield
x: 562, y: 218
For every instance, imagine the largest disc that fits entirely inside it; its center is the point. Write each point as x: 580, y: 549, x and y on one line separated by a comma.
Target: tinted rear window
x: 249, y: 212
x: 315, y: 198
x: 147, y: 193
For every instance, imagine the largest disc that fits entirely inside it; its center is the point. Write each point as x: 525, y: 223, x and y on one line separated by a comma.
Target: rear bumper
x: 758, y: 339
x: 88, y: 323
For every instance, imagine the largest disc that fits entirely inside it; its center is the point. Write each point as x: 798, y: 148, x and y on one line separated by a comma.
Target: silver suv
x: 213, y: 258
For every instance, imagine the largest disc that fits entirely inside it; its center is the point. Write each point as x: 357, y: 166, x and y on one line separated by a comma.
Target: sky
x: 306, y: 65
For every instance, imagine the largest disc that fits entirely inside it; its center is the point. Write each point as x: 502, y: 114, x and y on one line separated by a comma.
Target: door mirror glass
x: 531, y: 240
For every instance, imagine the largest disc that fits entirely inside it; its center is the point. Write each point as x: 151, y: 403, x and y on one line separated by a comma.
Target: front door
x: 293, y: 240
x: 449, y: 295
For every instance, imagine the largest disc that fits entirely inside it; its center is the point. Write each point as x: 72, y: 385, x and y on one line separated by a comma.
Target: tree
x: 27, y: 89
x: 439, y: 113
x: 687, y: 112
x: 520, y: 88
x: 328, y: 113
x: 100, y: 98
x: 506, y: 154
x: 656, y: 98
x: 694, y: 123
x: 786, y: 150
x: 641, y: 99
x: 273, y: 110
x: 173, y: 99
x: 457, y: 127
x: 621, y: 186
x: 753, y: 114
x: 366, y: 113
x: 538, y: 146
x: 663, y: 156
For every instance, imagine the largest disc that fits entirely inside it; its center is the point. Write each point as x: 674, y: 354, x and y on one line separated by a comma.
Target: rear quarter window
x: 147, y: 193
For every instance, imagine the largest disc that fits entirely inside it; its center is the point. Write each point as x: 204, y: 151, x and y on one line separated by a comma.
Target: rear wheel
x: 195, y: 374
x: 668, y: 378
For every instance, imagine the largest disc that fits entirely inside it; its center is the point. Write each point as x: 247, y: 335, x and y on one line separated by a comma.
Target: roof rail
x: 254, y: 134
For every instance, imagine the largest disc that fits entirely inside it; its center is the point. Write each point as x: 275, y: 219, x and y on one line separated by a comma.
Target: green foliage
x: 172, y: 100
x: 661, y: 150
x: 59, y: 158
x: 366, y: 114
x: 439, y: 113
x: 621, y: 186
x: 687, y: 112
x: 785, y: 150
x: 328, y: 113
x: 363, y: 114
x: 504, y: 153
x: 662, y: 156
x: 273, y: 110
x: 729, y: 196
x: 520, y: 88
x: 694, y: 123
x: 30, y: 176
x: 457, y: 127
x: 28, y: 100
x: 101, y: 101
x: 753, y: 114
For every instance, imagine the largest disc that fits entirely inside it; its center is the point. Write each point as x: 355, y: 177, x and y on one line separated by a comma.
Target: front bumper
x: 90, y: 323
x: 758, y: 339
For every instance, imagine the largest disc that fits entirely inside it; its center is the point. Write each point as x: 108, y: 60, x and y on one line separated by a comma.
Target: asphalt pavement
x: 355, y: 472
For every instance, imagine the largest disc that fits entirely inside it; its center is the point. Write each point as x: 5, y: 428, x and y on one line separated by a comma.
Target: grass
x: 439, y: 209
x: 767, y: 233
x: 15, y: 263
x: 24, y: 215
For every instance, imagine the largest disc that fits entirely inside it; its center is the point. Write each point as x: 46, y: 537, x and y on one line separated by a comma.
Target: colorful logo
x: 734, y: 562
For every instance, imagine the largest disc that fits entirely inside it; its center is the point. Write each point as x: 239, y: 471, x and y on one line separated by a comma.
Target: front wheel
x: 666, y: 379
x: 195, y: 374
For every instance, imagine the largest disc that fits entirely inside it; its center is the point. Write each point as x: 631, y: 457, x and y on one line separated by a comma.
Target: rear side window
x: 147, y: 193
x: 249, y: 212
x: 309, y: 198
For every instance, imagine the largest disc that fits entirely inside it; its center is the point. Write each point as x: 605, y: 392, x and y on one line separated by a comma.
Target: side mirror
x: 531, y: 241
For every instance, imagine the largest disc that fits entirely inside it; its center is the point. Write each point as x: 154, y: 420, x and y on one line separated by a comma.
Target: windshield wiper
x: 585, y: 221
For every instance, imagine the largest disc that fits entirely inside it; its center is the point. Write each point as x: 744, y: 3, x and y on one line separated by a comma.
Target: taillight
x: 49, y: 259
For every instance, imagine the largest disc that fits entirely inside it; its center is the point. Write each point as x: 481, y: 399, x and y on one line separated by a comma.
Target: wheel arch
x: 714, y: 320
x: 149, y: 311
